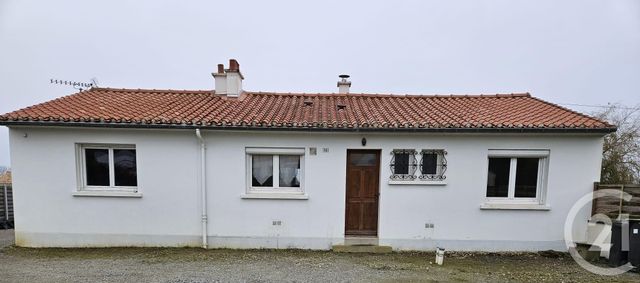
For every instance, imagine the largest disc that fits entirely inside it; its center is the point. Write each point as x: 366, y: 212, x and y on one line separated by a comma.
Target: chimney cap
x: 344, y: 84
x: 234, y: 65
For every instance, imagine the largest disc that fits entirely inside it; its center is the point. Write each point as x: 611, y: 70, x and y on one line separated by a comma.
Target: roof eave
x: 606, y: 130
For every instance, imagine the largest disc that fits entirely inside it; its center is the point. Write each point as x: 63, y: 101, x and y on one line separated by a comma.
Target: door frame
x: 377, y: 151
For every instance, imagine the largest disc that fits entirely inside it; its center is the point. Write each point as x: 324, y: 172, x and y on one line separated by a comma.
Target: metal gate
x: 6, y: 206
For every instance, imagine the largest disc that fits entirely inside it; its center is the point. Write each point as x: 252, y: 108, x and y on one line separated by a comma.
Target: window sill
x: 107, y: 194
x: 418, y: 182
x: 274, y: 196
x: 514, y: 206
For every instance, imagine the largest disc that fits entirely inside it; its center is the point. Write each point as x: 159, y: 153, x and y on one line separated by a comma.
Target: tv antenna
x: 77, y: 85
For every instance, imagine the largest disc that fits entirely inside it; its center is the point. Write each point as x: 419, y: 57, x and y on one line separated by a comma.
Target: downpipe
x: 203, y: 187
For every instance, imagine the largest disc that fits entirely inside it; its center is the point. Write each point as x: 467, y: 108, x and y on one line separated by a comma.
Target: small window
x: 403, y: 164
x: 290, y: 171
x: 262, y: 170
x: 526, y: 177
x: 275, y: 170
x: 498, y: 177
x: 433, y: 165
x: 363, y: 159
x: 124, y: 167
x: 108, y: 167
x: 97, y: 166
x: 519, y: 177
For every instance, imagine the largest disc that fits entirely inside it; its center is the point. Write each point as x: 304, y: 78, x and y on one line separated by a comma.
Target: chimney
x: 221, y: 80
x: 229, y: 81
x: 343, y: 84
x: 233, y: 65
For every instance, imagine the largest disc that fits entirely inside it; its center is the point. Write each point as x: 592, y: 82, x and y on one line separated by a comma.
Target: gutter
x: 203, y: 187
x: 313, y: 129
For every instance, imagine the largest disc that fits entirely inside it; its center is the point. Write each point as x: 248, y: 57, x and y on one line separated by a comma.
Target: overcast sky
x: 578, y: 51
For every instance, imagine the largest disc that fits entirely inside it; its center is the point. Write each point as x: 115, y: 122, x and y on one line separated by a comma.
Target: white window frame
x: 276, y: 191
x: 88, y: 190
x: 511, y: 202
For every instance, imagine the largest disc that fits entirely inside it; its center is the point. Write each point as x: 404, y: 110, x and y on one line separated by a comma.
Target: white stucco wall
x: 168, y: 213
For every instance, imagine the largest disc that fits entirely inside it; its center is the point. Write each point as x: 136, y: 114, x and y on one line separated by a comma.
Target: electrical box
x: 634, y: 243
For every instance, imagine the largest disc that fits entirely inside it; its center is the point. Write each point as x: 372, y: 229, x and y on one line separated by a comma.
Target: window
x: 289, y: 173
x: 107, y: 167
x: 262, y: 170
x: 526, y: 177
x: 274, y: 170
x: 433, y: 165
x: 403, y: 164
x: 517, y: 176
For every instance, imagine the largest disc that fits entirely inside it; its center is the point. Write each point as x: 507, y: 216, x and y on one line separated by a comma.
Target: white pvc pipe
x: 203, y: 187
x: 439, y: 256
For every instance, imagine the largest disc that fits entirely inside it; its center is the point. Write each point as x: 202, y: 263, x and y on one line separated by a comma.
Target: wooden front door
x: 363, y: 190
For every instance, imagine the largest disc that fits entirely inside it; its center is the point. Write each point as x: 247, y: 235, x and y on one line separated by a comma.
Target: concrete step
x: 361, y: 241
x: 372, y: 249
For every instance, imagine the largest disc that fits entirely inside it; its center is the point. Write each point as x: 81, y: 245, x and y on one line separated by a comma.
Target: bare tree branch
x: 621, y: 150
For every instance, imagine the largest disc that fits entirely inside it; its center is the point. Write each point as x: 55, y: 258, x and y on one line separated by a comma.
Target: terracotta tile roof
x: 300, y: 111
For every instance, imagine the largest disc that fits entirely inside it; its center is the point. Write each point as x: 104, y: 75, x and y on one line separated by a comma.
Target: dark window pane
x: 526, y: 177
x: 498, y: 178
x: 97, y: 162
x: 430, y: 164
x: 401, y: 163
x: 289, y: 171
x: 363, y: 159
x: 124, y: 164
x: 262, y: 170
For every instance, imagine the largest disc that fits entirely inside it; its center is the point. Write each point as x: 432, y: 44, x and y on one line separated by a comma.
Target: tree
x: 621, y: 150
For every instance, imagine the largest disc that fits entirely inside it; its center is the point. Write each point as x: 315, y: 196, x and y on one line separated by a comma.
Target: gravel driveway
x: 197, y: 265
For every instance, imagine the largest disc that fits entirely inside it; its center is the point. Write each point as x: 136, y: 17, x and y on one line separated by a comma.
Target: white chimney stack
x: 229, y: 81
x: 343, y: 84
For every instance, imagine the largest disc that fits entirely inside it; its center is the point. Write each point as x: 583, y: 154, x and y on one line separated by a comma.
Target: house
x: 6, y: 200
x: 5, y: 178
x: 241, y: 169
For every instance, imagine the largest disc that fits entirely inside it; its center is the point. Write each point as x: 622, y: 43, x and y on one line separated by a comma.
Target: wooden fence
x: 614, y: 206
x: 6, y: 206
